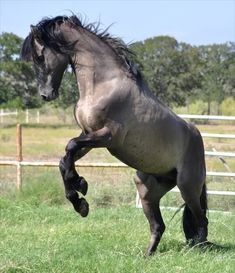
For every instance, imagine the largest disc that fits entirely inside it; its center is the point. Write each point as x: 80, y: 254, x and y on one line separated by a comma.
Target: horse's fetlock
x: 84, y: 207
x: 72, y: 196
x: 71, y: 176
x: 83, y: 186
x: 72, y: 146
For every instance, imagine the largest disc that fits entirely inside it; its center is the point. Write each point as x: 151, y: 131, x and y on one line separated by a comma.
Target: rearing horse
x: 116, y: 110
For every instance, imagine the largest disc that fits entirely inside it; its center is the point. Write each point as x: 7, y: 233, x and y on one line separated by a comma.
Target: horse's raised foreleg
x: 151, y: 188
x: 73, y: 182
x: 77, y: 148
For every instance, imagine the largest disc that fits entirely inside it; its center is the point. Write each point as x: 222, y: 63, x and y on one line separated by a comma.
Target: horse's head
x: 49, y: 62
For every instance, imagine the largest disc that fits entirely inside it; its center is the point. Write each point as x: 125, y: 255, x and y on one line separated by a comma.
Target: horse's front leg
x: 75, y: 149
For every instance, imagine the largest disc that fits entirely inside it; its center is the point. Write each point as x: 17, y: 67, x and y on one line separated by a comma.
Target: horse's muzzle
x: 50, y: 97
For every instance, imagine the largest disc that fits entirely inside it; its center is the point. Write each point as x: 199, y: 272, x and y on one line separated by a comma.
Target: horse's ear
x: 26, y: 50
x: 37, y: 39
x: 34, y: 30
x: 38, y: 47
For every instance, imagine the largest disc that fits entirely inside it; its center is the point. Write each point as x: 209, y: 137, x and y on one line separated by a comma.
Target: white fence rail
x: 210, y: 135
x: 207, y: 117
x: 4, y: 113
x: 28, y: 114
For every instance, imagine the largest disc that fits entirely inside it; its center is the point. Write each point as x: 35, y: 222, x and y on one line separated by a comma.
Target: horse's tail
x: 203, y: 199
x: 189, y: 222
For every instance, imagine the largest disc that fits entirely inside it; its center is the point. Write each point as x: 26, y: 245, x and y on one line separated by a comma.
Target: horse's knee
x: 72, y: 145
x: 82, y: 186
x: 62, y: 166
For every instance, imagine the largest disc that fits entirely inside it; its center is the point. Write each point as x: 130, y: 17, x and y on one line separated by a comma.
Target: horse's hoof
x: 84, y: 207
x: 83, y: 186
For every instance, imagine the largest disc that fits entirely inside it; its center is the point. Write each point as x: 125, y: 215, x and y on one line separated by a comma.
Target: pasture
x: 38, y: 237
x: 40, y: 232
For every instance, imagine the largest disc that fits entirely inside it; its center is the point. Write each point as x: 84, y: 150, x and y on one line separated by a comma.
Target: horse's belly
x: 146, y: 160
x: 151, y: 149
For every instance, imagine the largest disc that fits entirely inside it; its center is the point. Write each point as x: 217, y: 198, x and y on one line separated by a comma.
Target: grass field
x: 47, y: 238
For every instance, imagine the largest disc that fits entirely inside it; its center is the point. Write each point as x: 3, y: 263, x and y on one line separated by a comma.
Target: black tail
x: 189, y: 223
x: 203, y: 199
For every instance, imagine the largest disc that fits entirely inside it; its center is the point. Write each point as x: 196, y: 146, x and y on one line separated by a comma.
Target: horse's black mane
x: 46, y: 32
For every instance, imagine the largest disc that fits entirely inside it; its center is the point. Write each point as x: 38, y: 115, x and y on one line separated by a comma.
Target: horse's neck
x: 94, y: 61
x: 93, y: 71
x: 89, y: 85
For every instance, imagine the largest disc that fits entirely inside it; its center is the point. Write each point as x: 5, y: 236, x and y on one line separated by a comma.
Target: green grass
x: 42, y: 238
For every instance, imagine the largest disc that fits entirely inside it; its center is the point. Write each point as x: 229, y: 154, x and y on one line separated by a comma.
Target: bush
x: 227, y: 107
x: 198, y: 107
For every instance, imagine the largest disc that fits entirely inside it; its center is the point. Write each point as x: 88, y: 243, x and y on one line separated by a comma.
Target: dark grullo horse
x: 116, y: 110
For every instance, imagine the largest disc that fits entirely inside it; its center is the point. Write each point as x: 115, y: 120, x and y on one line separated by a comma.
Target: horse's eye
x: 41, y: 59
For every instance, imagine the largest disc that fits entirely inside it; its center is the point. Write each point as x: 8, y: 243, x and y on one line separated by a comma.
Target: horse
x: 117, y: 110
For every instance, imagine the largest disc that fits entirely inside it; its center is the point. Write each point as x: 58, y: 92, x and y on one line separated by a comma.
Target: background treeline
x: 178, y: 73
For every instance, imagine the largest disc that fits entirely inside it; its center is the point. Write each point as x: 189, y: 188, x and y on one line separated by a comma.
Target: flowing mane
x: 46, y: 32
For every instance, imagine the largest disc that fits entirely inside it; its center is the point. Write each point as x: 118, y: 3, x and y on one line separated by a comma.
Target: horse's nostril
x: 44, y: 97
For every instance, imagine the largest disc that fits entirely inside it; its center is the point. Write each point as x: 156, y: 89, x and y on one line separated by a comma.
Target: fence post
x: 27, y: 115
x: 1, y: 115
x: 38, y: 116
x: 19, y: 157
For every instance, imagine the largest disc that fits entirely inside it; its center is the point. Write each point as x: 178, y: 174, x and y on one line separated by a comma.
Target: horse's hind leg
x: 194, y: 217
x: 151, y: 189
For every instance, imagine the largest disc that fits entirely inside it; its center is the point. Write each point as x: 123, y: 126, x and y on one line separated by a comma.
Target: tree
x: 17, y: 84
x: 180, y: 73
x: 168, y: 68
x: 217, y: 67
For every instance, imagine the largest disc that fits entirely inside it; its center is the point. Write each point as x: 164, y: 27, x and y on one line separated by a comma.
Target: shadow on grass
x: 178, y: 246
x: 213, y: 247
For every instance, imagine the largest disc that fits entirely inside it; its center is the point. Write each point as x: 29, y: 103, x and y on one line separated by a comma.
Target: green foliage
x: 9, y: 46
x: 227, y: 107
x: 199, y: 107
x: 179, y: 73
x: 17, y: 82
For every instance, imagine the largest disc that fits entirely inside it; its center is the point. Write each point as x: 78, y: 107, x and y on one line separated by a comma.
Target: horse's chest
x: 89, y: 117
